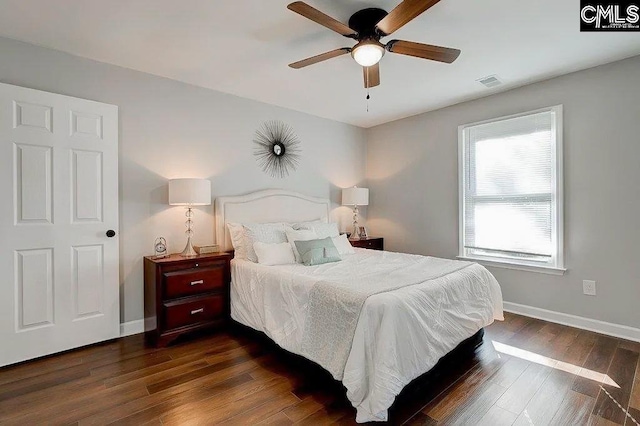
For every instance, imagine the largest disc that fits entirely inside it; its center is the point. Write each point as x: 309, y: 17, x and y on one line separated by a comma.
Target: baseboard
x: 608, y: 328
x: 603, y: 327
x: 131, y: 327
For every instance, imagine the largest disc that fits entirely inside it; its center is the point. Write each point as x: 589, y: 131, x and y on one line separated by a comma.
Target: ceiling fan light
x: 368, y: 53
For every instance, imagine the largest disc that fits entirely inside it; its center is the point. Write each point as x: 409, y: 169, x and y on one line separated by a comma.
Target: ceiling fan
x: 368, y: 26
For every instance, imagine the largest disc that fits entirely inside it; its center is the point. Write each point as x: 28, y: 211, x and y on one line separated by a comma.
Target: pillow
x: 343, y: 245
x: 237, y: 234
x: 264, y: 233
x: 274, y: 254
x: 301, y: 235
x: 322, y: 229
x: 317, y: 252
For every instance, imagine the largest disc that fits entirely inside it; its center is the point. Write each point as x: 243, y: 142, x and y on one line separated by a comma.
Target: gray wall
x: 413, y: 178
x: 170, y: 129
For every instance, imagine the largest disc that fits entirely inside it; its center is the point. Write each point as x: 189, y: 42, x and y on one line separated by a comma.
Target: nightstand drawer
x: 188, y: 282
x: 193, y: 312
x: 372, y: 243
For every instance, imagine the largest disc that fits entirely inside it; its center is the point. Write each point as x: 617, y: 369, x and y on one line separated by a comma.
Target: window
x: 511, y: 190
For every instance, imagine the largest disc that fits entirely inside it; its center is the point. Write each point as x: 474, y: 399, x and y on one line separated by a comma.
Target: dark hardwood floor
x: 527, y: 372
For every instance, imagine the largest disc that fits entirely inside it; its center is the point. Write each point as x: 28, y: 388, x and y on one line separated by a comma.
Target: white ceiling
x: 243, y: 47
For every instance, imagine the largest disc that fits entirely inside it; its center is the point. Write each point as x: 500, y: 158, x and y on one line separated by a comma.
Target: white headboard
x: 271, y: 205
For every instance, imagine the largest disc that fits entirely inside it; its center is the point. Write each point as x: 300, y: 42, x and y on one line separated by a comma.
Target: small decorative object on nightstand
x: 185, y: 294
x: 373, y: 243
x: 214, y: 248
x: 160, y: 248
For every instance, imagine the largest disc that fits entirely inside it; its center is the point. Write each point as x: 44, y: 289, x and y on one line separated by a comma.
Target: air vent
x: 490, y: 81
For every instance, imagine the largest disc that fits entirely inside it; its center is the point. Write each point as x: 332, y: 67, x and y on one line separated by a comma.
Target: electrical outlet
x: 589, y: 287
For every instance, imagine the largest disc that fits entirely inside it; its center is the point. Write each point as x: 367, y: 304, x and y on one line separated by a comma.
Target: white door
x: 59, y: 197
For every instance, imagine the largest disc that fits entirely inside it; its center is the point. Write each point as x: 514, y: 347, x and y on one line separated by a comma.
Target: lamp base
x: 188, y: 250
x: 355, y: 234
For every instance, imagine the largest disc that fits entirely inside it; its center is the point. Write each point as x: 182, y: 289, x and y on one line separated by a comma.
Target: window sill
x: 550, y: 270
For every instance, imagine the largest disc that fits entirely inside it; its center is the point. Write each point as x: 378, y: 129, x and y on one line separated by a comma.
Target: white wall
x: 170, y: 129
x: 413, y: 178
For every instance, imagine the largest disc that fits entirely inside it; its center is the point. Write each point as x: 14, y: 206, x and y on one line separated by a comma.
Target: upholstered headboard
x: 271, y: 205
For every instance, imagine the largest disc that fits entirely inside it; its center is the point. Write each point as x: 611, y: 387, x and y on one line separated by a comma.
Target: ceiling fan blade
x: 424, y: 51
x: 371, y: 76
x: 319, y: 58
x: 315, y: 15
x: 403, y: 13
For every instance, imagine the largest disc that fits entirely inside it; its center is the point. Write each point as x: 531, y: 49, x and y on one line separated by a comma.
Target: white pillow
x: 343, y: 245
x: 274, y: 254
x: 264, y: 233
x: 237, y: 234
x: 299, y: 235
x: 322, y: 229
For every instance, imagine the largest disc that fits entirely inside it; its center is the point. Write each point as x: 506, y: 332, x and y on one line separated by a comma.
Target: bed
x: 375, y: 320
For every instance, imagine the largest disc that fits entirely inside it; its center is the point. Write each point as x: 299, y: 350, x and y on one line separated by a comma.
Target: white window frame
x: 556, y: 264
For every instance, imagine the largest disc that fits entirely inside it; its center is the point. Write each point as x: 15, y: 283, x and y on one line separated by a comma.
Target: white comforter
x: 400, y: 334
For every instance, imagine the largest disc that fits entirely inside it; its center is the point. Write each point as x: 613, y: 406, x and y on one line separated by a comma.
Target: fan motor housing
x: 364, y: 22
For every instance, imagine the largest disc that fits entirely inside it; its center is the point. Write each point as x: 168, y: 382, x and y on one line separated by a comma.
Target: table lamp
x: 355, y: 197
x: 189, y: 192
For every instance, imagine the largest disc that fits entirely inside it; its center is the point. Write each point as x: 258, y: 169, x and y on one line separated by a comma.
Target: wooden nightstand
x: 373, y: 243
x: 184, y: 294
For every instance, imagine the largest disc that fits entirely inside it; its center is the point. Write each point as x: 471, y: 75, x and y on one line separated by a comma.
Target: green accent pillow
x: 317, y: 252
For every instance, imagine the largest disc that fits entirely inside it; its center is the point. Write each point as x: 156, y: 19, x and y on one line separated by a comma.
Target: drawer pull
x: 197, y: 311
x: 197, y: 282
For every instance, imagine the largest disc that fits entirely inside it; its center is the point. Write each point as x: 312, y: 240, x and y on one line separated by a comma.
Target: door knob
x: 111, y: 233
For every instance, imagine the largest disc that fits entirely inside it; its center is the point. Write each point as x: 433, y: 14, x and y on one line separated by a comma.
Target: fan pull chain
x: 366, y: 81
x: 368, y: 97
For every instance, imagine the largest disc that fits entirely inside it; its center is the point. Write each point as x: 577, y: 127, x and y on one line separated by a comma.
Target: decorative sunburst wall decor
x: 277, y: 148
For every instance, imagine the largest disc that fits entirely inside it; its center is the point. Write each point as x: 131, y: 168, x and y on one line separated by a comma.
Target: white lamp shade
x: 190, y: 192
x: 355, y: 196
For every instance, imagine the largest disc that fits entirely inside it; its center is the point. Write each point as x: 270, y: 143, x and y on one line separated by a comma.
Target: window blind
x: 510, y: 189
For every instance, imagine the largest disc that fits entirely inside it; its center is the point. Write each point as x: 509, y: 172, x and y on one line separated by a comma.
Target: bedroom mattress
x: 399, y: 335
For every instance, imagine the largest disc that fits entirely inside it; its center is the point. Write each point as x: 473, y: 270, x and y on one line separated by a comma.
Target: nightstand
x: 184, y: 294
x: 373, y: 243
